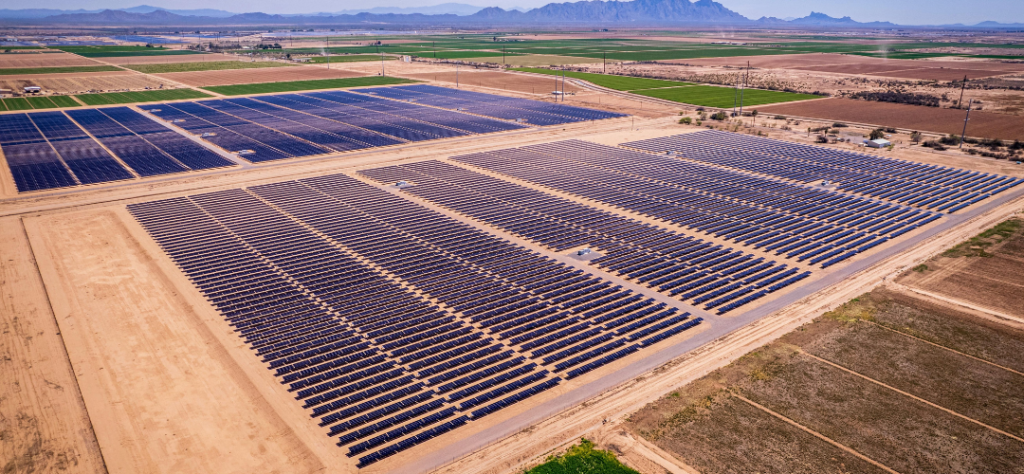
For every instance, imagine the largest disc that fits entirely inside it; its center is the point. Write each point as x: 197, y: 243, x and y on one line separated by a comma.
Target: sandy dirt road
x: 44, y: 425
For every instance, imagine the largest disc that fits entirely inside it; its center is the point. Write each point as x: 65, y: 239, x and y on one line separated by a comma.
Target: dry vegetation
x: 858, y: 376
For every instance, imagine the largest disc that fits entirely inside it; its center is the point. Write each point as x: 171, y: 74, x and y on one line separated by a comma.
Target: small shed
x: 33, y: 89
x: 877, y: 143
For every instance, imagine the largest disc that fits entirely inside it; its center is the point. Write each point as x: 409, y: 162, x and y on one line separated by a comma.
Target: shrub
x: 890, y: 130
x: 876, y: 134
x: 719, y: 116
x: 685, y: 120
x: 839, y: 125
x: 780, y: 117
x: 822, y: 139
x: 915, y: 137
x: 991, y: 143
x: 933, y: 145
x: 1017, y: 145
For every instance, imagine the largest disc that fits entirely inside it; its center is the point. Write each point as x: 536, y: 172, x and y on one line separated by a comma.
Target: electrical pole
x: 328, y: 51
x: 382, y: 65
x: 968, y: 117
x: 502, y: 55
x: 563, y: 83
x: 960, y: 103
x: 604, y: 63
x: 744, y: 87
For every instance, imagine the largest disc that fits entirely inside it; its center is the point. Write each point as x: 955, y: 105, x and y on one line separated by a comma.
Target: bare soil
x: 44, y: 60
x: 84, y: 83
x: 992, y: 280
x: 498, y: 80
x: 251, y: 76
x: 173, y: 58
x: 933, y: 119
x: 705, y: 426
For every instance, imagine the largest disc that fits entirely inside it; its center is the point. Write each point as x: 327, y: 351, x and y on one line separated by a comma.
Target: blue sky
x: 909, y: 12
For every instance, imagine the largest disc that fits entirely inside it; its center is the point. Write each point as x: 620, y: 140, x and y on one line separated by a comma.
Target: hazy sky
x: 907, y: 12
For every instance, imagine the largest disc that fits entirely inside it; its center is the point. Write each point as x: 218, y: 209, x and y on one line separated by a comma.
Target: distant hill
x: 593, y: 12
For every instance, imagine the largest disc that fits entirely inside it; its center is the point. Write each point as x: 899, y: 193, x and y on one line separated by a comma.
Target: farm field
x: 858, y: 376
x: 122, y: 51
x: 140, y: 96
x: 912, y: 117
x: 204, y: 66
x: 83, y: 82
x: 984, y: 271
x: 56, y: 59
x: 350, y: 58
x: 723, y: 97
x: 251, y: 76
x: 55, y: 70
x: 188, y: 58
x: 42, y: 102
x: 288, y: 86
x: 619, y: 83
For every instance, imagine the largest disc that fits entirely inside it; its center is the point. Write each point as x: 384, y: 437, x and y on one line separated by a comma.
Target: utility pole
x: 604, y: 63
x: 968, y: 117
x: 328, y: 51
x: 382, y: 65
x: 744, y: 87
x: 434, y: 49
x: 563, y: 83
x: 960, y: 103
x: 735, y: 93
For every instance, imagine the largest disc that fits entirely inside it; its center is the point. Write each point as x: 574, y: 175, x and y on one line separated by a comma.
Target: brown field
x: 44, y: 60
x: 984, y: 272
x: 858, y: 383
x: 250, y: 76
x: 935, y: 70
x: 932, y: 119
x: 83, y: 82
x: 184, y: 58
x: 497, y: 80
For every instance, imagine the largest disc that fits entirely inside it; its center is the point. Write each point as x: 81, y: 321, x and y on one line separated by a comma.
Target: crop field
x: 204, y: 66
x: 886, y: 381
x: 55, y: 59
x: 122, y: 51
x: 269, y: 87
x: 43, y: 102
x: 56, y: 70
x: 139, y: 96
x: 350, y: 58
x: 619, y: 83
x: 723, y: 97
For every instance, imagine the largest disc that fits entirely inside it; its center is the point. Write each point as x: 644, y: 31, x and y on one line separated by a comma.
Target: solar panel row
x: 921, y: 185
x: 669, y: 261
x: 47, y: 150
x: 508, y: 108
x: 799, y: 221
x: 390, y: 322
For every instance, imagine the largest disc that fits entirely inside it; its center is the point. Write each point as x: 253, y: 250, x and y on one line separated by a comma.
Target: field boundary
x: 946, y: 348
x: 909, y: 395
x: 816, y: 434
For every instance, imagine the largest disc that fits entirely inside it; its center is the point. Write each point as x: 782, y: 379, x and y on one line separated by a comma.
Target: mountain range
x: 590, y: 13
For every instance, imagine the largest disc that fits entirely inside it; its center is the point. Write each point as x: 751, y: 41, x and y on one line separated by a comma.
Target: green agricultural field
x: 722, y: 97
x: 619, y: 83
x: 16, y: 104
x: 270, y: 87
x: 122, y: 51
x: 350, y: 58
x: 41, y: 102
x: 583, y: 458
x: 140, y: 96
x: 10, y: 71
x: 203, y: 66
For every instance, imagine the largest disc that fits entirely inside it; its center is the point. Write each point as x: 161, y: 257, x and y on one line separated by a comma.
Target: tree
x: 915, y: 136
x: 876, y: 134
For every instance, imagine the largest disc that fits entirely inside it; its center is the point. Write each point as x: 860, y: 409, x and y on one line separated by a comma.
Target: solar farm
x: 398, y: 278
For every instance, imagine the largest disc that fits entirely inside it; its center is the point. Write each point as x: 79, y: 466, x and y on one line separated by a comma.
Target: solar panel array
x: 392, y: 323
x: 282, y: 126
x: 800, y: 222
x: 509, y: 108
x: 940, y: 188
x: 46, y: 150
x: 678, y: 265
